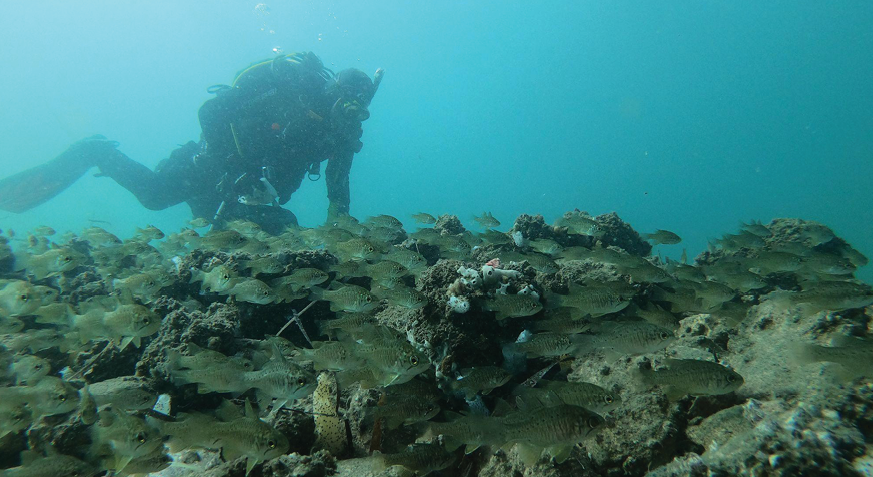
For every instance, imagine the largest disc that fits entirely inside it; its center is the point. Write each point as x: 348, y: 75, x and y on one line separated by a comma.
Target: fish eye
x: 664, y: 335
x: 490, y: 272
x: 68, y: 258
x: 62, y: 397
x: 731, y: 378
x: 301, y: 381
x: 24, y: 297
x: 37, y: 367
x: 140, y: 437
x: 271, y: 444
x: 225, y: 276
x: 593, y: 423
x: 608, y: 399
x: 414, y: 361
x: 265, y: 292
x: 369, y: 299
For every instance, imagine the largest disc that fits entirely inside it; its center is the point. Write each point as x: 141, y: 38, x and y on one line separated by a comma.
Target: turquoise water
x: 688, y: 117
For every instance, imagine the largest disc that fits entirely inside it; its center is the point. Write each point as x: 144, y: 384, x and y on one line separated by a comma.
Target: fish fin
x: 230, y: 454
x: 549, y: 398
x: 673, y: 394
x: 250, y: 412
x: 642, y: 378
x: 280, y: 403
x: 512, y: 354
x: 845, y: 375
x: 124, y: 342
x: 393, y: 422
x: 29, y: 456
x: 578, y: 315
x: 841, y: 340
x: 277, y: 353
x: 250, y: 464
x: 528, y: 454
x: 560, y: 453
x: 802, y: 353
x: 227, y: 412
x: 196, y: 275
x: 378, y: 462
x: 468, y: 449
x: 317, y: 292
x: 194, y: 349
x: 501, y: 408
x: 449, y: 442
x: 611, y: 354
x: 121, y: 462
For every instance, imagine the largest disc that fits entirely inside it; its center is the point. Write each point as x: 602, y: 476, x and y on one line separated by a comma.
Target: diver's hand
x: 377, y: 78
x: 96, y: 144
x: 94, y: 151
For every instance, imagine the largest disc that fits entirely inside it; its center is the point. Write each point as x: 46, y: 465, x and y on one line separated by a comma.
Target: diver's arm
x: 337, y: 177
x: 216, y: 116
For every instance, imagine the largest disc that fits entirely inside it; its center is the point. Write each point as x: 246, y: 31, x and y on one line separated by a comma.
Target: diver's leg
x: 30, y: 188
x: 168, y: 185
x: 141, y: 181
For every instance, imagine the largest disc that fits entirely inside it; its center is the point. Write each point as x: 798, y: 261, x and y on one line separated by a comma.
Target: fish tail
x: 174, y: 360
x: 803, y: 353
x: 323, y: 327
x: 430, y: 430
x: 196, y: 275
x: 780, y: 298
x: 378, y: 462
x: 553, y: 300
x: 643, y: 376
x: 317, y: 293
x: 514, y: 360
x: 582, y: 344
x: 22, y: 260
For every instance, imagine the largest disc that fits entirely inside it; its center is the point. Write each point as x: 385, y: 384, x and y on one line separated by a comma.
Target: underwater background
x: 685, y: 116
x: 735, y: 136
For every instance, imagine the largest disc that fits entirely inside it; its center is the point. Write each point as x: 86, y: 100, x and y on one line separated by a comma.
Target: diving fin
x: 28, y: 189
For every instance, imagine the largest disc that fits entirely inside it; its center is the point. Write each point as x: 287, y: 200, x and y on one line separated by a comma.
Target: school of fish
x: 68, y: 300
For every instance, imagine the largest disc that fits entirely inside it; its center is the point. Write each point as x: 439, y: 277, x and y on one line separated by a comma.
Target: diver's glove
x: 335, y: 211
x: 94, y: 151
x: 96, y: 144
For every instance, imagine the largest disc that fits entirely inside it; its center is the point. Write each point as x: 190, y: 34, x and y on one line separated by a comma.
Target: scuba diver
x: 261, y: 135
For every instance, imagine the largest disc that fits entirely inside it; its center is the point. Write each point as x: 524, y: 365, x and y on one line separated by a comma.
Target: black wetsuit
x: 265, y: 124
